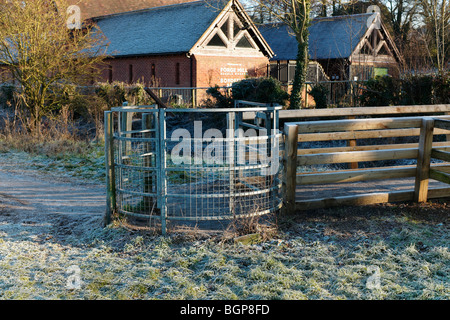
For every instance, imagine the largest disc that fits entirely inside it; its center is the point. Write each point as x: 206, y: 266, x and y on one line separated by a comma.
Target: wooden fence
x: 396, y: 124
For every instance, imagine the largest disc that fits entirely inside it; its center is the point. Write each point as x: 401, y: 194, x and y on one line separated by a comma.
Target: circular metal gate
x: 193, y: 164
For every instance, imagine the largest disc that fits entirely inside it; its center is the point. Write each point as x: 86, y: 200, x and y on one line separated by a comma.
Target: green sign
x: 380, y: 72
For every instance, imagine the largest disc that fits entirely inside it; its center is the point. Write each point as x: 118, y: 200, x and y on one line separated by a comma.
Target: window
x: 244, y: 43
x: 177, y: 73
x: 224, y: 28
x: 130, y: 73
x: 380, y: 71
x: 110, y: 73
x: 153, y: 71
x: 217, y: 41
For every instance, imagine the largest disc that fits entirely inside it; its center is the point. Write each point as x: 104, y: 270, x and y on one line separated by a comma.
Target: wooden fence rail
x: 371, y: 128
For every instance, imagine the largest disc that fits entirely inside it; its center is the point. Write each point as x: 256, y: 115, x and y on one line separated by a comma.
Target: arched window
x: 110, y: 73
x: 130, y: 73
x: 177, y: 73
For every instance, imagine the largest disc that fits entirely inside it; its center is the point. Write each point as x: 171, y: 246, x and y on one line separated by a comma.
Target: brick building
x: 191, y: 44
x: 347, y: 47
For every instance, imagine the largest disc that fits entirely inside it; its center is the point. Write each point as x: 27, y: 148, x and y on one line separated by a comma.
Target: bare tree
x: 402, y: 14
x: 43, y: 55
x: 436, y: 14
x: 296, y: 15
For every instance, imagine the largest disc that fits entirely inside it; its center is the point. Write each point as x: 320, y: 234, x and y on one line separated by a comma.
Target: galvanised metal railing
x: 192, y: 165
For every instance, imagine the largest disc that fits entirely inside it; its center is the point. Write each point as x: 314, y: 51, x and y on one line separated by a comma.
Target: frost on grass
x: 328, y: 254
x: 152, y: 267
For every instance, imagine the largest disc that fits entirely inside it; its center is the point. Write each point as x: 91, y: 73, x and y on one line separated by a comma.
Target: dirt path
x: 38, y: 206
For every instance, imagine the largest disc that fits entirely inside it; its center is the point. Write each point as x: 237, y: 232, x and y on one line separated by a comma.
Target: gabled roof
x: 171, y: 29
x: 97, y: 8
x: 161, y: 30
x: 337, y: 37
x: 329, y: 37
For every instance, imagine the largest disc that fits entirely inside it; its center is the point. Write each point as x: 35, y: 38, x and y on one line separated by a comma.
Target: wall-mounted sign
x: 232, y: 72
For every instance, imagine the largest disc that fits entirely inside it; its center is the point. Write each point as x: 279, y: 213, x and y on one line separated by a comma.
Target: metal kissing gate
x: 167, y: 165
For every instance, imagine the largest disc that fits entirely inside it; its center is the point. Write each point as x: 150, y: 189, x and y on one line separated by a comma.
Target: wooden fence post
x: 290, y: 168
x: 352, y: 143
x: 109, y: 163
x: 423, y: 161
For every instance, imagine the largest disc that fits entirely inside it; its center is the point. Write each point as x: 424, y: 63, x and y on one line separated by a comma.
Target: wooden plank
x: 358, y: 156
x: 443, y: 168
x: 440, y: 176
x: 359, y: 111
x: 352, y: 143
x: 363, y: 111
x: 355, y: 200
x: 358, y: 124
x: 335, y: 176
x: 156, y: 98
x: 441, y: 155
x: 442, y: 124
x: 423, y: 160
x: 371, y: 134
x: 435, y: 193
x: 443, y: 145
x: 356, y: 175
x: 368, y: 199
x: 329, y: 136
x: 290, y: 163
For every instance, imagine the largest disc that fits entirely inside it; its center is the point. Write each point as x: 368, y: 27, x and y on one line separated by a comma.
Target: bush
x: 221, y: 100
x: 381, y: 91
x: 411, y: 90
x: 320, y: 94
x: 441, y: 89
x: 417, y: 90
x: 263, y: 90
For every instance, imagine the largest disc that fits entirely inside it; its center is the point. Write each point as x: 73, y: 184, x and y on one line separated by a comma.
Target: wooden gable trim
x: 254, y: 29
x: 209, y: 33
x: 385, y: 40
x: 232, y: 12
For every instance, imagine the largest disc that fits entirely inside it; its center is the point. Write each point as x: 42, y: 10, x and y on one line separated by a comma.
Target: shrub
x: 222, y: 100
x: 263, y: 90
x: 381, y: 91
x: 320, y: 94
x: 410, y: 90
x: 113, y: 94
x: 441, y: 89
x: 417, y: 90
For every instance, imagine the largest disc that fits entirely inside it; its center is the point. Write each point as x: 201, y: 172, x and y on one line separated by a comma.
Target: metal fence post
x: 148, y: 126
x: 110, y: 170
x: 231, y: 157
x: 162, y: 179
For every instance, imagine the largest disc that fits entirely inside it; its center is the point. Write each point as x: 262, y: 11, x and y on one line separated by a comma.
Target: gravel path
x: 36, y: 205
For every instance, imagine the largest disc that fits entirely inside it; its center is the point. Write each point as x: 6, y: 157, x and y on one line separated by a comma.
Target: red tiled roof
x: 96, y: 8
